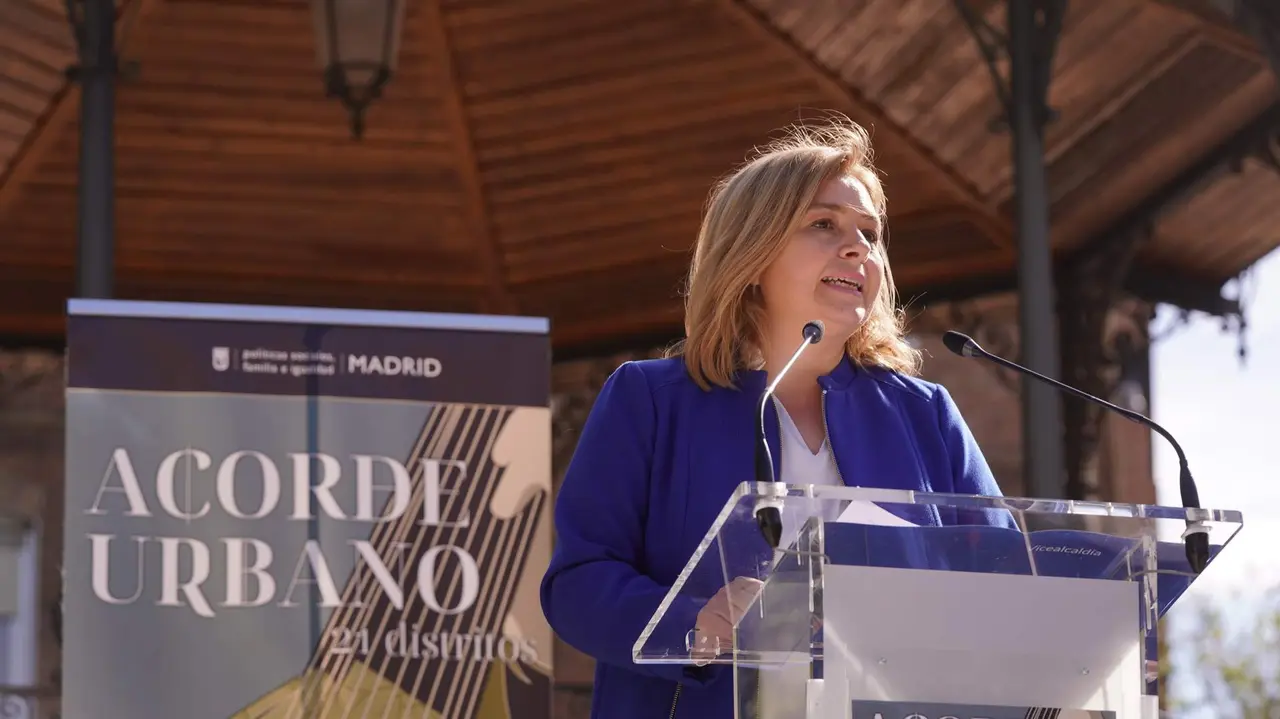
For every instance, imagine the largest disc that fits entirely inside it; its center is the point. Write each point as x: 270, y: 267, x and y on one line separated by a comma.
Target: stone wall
x: 31, y: 446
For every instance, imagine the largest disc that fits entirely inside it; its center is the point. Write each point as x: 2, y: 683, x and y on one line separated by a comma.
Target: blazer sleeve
x: 970, y: 473
x: 594, y: 594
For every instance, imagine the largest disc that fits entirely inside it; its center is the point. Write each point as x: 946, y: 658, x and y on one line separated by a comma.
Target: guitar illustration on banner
x: 484, y: 650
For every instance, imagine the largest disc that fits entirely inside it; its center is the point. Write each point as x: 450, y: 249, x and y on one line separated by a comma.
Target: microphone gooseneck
x: 1197, y: 535
x: 768, y: 510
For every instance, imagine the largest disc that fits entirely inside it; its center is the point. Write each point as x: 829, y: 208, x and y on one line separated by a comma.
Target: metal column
x: 1042, y: 441
x: 95, y: 261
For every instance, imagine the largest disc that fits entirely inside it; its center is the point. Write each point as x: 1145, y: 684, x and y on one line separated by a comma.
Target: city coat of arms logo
x: 221, y: 358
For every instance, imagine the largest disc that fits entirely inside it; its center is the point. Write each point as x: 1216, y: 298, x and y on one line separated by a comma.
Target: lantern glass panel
x: 360, y: 36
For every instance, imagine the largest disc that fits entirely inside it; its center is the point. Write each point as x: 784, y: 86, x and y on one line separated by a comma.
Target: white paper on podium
x: 863, y: 512
x: 857, y: 512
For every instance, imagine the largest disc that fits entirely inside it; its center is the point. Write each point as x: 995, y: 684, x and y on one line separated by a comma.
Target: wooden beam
x: 475, y: 204
x: 1261, y: 19
x: 1157, y: 66
x: 658, y: 323
x: 178, y: 271
x: 849, y: 98
x: 1218, y: 161
x: 1214, y: 25
x: 661, y: 323
x: 62, y: 109
x: 659, y: 319
x: 592, y: 339
x: 28, y: 330
x: 1161, y: 285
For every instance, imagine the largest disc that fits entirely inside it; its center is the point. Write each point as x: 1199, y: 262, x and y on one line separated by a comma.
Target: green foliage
x: 1225, y: 658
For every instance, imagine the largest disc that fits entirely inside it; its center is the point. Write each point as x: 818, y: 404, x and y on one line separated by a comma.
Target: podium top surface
x: 906, y: 530
x: 1021, y: 505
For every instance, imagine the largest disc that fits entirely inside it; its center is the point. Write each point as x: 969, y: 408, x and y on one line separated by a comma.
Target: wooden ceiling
x: 551, y: 157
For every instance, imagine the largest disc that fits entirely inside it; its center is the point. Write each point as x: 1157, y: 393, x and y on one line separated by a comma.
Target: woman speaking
x: 794, y: 235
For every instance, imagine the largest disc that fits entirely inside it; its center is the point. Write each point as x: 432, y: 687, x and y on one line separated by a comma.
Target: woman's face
x: 830, y: 268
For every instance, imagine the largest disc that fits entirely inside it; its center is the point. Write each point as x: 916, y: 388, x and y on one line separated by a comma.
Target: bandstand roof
x: 551, y: 157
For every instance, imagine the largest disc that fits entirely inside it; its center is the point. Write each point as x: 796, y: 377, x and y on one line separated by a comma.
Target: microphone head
x: 813, y: 330
x: 769, y: 520
x: 961, y: 344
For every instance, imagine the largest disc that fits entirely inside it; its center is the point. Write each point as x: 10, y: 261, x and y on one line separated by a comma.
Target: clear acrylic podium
x: 888, y: 603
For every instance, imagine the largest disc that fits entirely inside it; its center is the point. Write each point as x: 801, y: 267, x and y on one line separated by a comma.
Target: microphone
x: 1197, y: 535
x: 768, y: 509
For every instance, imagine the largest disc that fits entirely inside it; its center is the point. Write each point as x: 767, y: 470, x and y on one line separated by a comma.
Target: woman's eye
x: 823, y: 224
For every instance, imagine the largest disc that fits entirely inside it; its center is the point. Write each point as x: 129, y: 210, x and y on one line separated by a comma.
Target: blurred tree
x: 1225, y: 658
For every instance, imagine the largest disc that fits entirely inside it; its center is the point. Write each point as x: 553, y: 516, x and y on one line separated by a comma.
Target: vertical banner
x: 280, y: 513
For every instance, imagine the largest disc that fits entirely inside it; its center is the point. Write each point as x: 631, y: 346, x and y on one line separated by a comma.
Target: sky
x: 1225, y: 414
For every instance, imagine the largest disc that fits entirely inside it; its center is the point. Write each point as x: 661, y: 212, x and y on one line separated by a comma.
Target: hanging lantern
x: 357, y: 46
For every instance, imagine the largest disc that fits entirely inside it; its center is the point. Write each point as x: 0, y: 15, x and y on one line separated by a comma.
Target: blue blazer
x: 658, y: 458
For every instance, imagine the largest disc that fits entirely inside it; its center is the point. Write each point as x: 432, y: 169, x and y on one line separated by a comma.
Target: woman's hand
x: 713, y: 634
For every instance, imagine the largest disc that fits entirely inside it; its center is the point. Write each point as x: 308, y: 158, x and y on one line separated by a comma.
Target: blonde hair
x: 749, y: 216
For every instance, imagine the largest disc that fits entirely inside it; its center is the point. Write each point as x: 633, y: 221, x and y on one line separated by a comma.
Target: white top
x: 801, y: 465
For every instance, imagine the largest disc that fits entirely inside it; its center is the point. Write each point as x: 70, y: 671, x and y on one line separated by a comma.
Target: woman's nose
x: 854, y: 249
